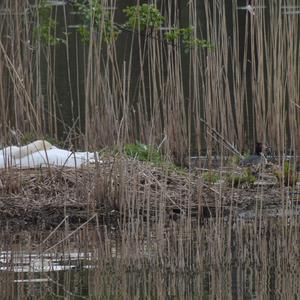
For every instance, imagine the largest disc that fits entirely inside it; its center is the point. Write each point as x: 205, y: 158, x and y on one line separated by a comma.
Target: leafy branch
x: 186, y: 35
x: 143, y: 17
x: 95, y: 17
x: 46, y: 28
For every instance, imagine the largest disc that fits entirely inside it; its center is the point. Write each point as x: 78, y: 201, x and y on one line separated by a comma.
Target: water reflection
x: 241, y: 259
x: 18, y: 262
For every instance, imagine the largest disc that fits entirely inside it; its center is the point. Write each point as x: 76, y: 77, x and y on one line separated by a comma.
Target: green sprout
x: 288, y: 176
x: 210, y: 177
x: 143, y: 152
x: 245, y: 179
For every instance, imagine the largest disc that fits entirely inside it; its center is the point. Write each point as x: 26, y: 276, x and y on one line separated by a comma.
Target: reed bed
x: 154, y: 231
x: 121, y: 189
x: 246, y: 88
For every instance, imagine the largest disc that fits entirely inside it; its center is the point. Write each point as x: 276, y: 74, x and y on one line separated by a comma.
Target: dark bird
x: 255, y: 159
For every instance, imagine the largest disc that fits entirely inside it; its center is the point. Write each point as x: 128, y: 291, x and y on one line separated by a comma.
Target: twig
x: 69, y: 235
x: 56, y: 228
x: 229, y: 145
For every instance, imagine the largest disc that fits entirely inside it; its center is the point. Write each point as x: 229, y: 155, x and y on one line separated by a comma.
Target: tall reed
x: 245, y: 89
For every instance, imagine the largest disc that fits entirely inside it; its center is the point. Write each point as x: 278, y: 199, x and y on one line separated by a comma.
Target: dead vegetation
x: 123, y: 187
x: 202, y: 102
x: 114, y: 185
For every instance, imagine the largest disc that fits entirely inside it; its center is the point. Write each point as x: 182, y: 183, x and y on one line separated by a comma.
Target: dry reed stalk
x: 223, y: 89
x: 242, y: 88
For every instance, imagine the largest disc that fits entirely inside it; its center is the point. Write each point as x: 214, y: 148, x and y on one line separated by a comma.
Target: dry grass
x: 120, y: 185
x: 126, y: 189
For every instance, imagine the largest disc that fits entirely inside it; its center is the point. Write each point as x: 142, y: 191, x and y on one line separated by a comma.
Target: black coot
x: 256, y: 159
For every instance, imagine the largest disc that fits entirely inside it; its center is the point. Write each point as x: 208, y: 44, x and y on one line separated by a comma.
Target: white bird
x: 249, y: 8
x: 42, y: 154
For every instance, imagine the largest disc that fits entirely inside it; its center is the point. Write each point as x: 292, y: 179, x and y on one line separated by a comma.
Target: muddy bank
x: 126, y: 188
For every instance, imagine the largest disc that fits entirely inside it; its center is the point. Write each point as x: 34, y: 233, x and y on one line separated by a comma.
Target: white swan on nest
x: 42, y: 154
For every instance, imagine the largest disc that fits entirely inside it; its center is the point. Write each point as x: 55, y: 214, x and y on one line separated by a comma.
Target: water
x: 243, y: 260
x: 73, y: 92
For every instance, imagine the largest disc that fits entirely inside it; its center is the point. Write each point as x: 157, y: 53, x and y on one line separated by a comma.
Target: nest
x: 119, y: 186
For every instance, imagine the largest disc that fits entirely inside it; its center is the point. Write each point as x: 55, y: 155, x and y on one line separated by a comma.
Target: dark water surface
x: 70, y: 85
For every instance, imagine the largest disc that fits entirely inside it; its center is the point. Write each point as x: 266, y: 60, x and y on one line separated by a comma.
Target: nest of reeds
x: 118, y: 186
